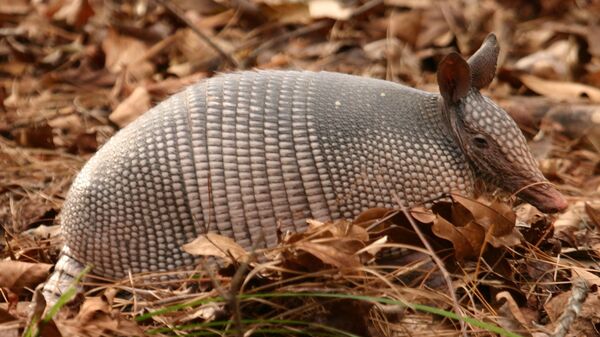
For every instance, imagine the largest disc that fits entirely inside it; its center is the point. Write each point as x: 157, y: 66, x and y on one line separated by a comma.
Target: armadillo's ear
x: 483, y: 62
x: 454, y: 78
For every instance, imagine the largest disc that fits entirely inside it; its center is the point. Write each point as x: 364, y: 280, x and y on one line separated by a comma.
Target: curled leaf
x: 329, y: 254
x: 564, y: 91
x: 211, y: 244
x: 17, y: 275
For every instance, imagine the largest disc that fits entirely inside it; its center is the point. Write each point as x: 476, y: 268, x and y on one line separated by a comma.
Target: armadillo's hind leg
x: 66, y: 271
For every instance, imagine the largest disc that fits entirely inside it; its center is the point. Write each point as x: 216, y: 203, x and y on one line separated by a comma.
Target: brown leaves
x: 215, y: 245
x: 334, y: 243
x: 594, y: 214
x: 328, y: 9
x: 124, y: 52
x: 36, y: 136
x: 132, y: 107
x: 74, y: 12
x: 562, y: 91
x: 14, y: 7
x: 17, y: 275
x: 329, y: 254
x: 554, y: 62
x: 466, y: 225
x: 96, y: 318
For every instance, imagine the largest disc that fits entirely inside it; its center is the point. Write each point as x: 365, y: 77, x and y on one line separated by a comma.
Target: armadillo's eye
x: 480, y: 142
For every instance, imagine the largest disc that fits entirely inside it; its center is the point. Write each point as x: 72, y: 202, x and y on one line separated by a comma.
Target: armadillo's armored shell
x: 240, y: 153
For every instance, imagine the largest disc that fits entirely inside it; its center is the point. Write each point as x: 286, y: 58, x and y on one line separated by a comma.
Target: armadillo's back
x: 241, y: 153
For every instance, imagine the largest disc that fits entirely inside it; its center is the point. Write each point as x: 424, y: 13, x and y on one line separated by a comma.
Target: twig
x: 171, y: 7
x: 305, y: 30
x: 453, y: 25
x: 236, y: 285
x: 579, y: 293
x: 232, y: 297
x: 437, y: 261
x: 367, y: 6
x: 133, y: 290
x: 281, y: 38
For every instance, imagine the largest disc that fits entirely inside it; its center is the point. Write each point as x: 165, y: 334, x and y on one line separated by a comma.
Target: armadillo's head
x: 491, y: 140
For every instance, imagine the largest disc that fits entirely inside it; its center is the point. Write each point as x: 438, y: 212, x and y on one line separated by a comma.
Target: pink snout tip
x: 545, y: 197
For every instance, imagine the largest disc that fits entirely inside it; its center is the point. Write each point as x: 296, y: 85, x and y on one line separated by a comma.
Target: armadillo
x: 248, y: 154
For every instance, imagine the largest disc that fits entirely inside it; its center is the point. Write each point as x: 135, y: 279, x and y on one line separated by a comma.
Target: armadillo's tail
x: 66, y: 272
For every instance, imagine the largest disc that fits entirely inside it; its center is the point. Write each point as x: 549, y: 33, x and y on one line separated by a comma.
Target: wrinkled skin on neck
x: 498, y: 152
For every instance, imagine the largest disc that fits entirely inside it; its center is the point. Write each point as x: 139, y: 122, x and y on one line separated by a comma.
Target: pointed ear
x: 483, y: 62
x: 454, y: 78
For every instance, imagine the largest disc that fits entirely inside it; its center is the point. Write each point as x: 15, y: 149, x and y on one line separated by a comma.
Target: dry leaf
x: 215, y: 245
x: 568, y: 221
x: 563, y: 91
x: 39, y: 135
x: 14, y: 7
x: 49, y: 329
x: 585, y: 323
x: 96, y: 319
x: 126, y: 52
x: 329, y: 254
x: 556, y: 305
x: 498, y: 216
x: 467, y: 242
x: 409, y: 3
x: 173, y: 85
x: 74, y: 12
x: 406, y: 25
x: 132, y: 107
x: 290, y: 13
x: 592, y: 33
x: 512, y: 309
x: 423, y: 215
x: 371, y: 216
x: 374, y: 248
x: 17, y: 275
x: 587, y: 276
x: 555, y: 62
x: 334, y: 243
x: 11, y: 329
x: 196, y: 51
x: 346, y: 230
x: 593, y: 213
x: 332, y: 9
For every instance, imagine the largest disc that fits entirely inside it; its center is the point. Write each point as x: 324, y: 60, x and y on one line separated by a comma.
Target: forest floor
x: 73, y: 72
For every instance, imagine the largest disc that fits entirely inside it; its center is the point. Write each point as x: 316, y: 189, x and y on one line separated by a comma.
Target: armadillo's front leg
x: 67, y: 269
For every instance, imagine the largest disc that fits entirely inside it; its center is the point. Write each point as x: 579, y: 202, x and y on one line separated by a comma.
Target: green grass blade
x: 65, y: 297
x: 206, y: 325
x: 420, y: 307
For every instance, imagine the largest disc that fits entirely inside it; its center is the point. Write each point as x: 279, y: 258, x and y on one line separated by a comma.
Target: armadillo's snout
x: 544, y: 197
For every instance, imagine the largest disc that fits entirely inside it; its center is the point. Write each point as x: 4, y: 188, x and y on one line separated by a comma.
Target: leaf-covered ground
x: 72, y: 72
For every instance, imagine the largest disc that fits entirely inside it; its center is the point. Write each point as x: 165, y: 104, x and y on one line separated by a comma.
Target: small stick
x: 181, y: 16
x: 235, y: 285
x: 281, y: 38
x: 437, y: 261
x: 233, y: 299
